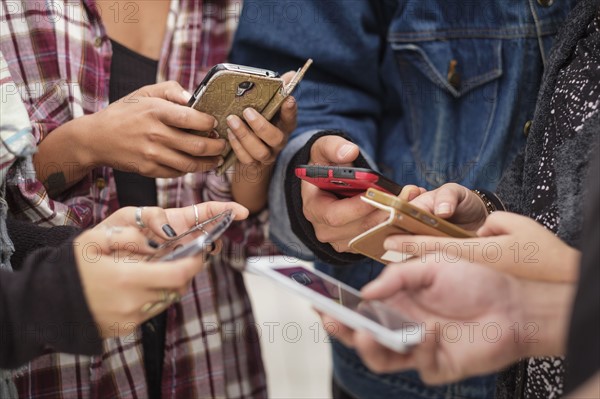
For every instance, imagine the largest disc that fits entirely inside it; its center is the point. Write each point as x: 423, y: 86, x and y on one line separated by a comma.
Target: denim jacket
x: 431, y: 90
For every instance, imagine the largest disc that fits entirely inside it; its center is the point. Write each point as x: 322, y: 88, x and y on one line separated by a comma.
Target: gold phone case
x: 221, y: 98
x: 400, y: 221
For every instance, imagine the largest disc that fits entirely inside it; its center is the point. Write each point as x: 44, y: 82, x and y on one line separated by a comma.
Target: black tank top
x: 128, y: 72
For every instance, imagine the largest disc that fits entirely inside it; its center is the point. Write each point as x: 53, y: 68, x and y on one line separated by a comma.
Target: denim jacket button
x: 526, y: 128
x: 545, y: 3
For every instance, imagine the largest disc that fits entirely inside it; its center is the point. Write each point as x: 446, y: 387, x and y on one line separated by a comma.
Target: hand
x: 336, y: 221
x: 117, y: 284
x: 467, y: 330
x: 143, y: 132
x: 258, y: 141
x: 163, y: 224
x: 507, y: 242
x: 455, y: 203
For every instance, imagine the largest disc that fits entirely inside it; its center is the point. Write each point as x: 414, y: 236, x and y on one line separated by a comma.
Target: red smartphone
x: 346, y: 181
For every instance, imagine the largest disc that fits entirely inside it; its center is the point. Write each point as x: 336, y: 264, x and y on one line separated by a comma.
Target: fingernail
x: 291, y: 102
x: 169, y: 231
x: 250, y: 114
x: 231, y: 135
x: 390, y: 244
x: 233, y: 122
x: 153, y: 243
x: 186, y: 95
x: 215, y: 124
x: 371, y: 287
x: 220, y: 162
x: 443, y: 209
x: 345, y: 150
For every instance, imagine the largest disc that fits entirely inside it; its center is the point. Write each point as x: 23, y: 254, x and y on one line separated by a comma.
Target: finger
x: 288, y: 116
x: 394, y: 278
x: 207, y: 210
x: 182, y: 162
x: 288, y: 76
x: 248, y: 139
x: 264, y: 129
x: 501, y: 223
x: 334, y: 212
x: 125, y: 240
x: 172, y: 275
x: 417, y: 245
x: 409, y: 192
x: 182, y: 117
x: 243, y: 156
x: 447, y: 199
x: 378, y: 358
x: 189, y: 143
x: 426, y: 357
x: 155, y: 218
x: 337, y: 330
x: 171, y: 91
x: 333, y: 150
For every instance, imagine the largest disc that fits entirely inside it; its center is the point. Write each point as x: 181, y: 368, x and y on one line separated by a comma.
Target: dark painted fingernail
x: 153, y: 243
x: 169, y: 230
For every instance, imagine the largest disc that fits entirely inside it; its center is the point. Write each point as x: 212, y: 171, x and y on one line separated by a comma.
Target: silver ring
x: 196, y: 214
x: 138, y: 217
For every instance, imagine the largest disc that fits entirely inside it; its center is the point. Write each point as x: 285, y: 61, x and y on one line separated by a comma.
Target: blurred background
x: 294, y: 345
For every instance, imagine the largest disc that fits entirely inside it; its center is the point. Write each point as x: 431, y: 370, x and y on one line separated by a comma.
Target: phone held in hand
x: 404, y: 219
x: 389, y: 327
x: 199, y: 239
x: 228, y: 89
x: 346, y: 181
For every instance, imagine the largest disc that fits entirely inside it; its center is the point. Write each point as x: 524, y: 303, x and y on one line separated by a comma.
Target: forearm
x: 547, y: 306
x: 250, y: 185
x: 64, y: 156
x: 43, y: 305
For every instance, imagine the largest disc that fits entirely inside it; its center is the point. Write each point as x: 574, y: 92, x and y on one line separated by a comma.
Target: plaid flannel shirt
x: 59, y: 55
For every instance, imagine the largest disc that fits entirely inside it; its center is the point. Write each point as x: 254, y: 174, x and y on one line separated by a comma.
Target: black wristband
x: 301, y: 227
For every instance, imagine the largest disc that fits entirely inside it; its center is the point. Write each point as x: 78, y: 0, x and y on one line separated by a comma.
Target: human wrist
x: 545, y: 310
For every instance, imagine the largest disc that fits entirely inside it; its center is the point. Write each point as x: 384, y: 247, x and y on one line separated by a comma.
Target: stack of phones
x: 404, y: 218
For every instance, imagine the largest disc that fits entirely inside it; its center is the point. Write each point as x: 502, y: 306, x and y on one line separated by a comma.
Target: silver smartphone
x: 388, y: 326
x: 199, y: 239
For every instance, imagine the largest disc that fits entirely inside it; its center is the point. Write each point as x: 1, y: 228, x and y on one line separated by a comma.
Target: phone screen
x: 376, y: 311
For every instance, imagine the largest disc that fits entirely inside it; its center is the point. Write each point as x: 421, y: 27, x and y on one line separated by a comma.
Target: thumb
x: 336, y: 150
x: 170, y: 91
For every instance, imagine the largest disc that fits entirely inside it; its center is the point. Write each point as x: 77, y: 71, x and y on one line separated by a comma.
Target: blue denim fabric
x: 395, y: 99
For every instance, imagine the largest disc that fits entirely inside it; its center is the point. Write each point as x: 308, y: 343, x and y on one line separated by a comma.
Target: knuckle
x: 198, y: 147
x: 330, y: 219
x: 150, y: 153
x: 263, y: 155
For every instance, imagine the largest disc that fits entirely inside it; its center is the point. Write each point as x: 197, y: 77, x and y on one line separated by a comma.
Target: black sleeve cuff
x: 301, y: 227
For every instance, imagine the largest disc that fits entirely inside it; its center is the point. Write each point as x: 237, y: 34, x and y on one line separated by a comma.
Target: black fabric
x: 128, y: 72
x: 293, y: 196
x: 519, y: 184
x: 27, y: 237
x: 42, y: 304
x: 583, y: 346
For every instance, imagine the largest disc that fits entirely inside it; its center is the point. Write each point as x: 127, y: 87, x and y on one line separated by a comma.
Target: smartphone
x: 346, y: 181
x: 388, y: 325
x: 417, y: 220
x: 198, y: 239
x: 228, y: 89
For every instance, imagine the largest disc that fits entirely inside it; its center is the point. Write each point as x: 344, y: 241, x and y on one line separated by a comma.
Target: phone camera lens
x: 244, y: 87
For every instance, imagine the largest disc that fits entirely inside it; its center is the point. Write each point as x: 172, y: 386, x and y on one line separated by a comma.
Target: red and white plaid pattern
x: 59, y: 55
